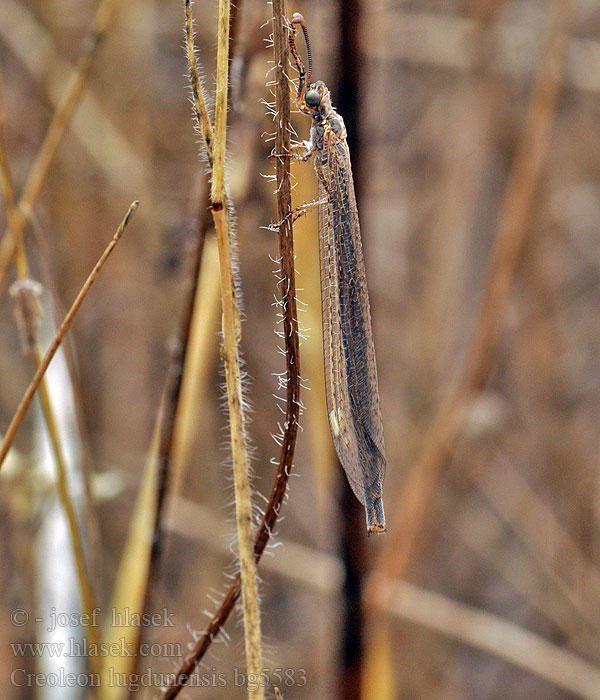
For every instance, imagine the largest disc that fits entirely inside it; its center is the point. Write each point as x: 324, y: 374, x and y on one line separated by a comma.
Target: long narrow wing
x: 350, y: 370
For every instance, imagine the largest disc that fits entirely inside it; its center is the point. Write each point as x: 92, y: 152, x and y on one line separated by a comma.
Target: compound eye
x: 312, y: 98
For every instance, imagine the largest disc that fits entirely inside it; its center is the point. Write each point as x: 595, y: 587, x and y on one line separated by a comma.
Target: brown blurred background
x: 474, y: 136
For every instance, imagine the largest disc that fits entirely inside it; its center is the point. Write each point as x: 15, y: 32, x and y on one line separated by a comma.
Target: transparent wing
x: 350, y: 369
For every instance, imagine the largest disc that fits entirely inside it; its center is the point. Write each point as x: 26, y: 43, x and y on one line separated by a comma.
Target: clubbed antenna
x: 304, y: 79
x: 299, y: 19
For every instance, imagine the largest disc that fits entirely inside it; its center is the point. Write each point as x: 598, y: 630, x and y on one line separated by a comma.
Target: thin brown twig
x: 416, y: 496
x: 60, y: 120
x: 60, y: 334
x: 292, y: 414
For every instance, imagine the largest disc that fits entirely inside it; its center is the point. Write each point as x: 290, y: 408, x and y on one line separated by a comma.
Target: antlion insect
x: 350, y: 370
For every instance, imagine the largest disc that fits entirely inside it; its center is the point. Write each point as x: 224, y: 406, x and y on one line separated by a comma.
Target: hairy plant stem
x: 290, y: 322
x: 232, y: 333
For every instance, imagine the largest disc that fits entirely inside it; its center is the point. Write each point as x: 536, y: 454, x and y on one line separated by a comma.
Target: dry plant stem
x: 200, y: 110
x: 231, y: 326
x: 217, y: 192
x: 203, y: 218
x: 231, y: 355
x: 292, y: 413
x: 73, y: 91
x: 413, y: 507
x: 54, y: 345
x: 64, y: 494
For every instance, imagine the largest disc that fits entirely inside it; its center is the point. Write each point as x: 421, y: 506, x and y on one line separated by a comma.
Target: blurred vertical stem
x: 419, y: 489
x: 412, y: 509
x: 32, y: 348
x: 60, y: 120
x: 163, y: 445
x: 351, y: 665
